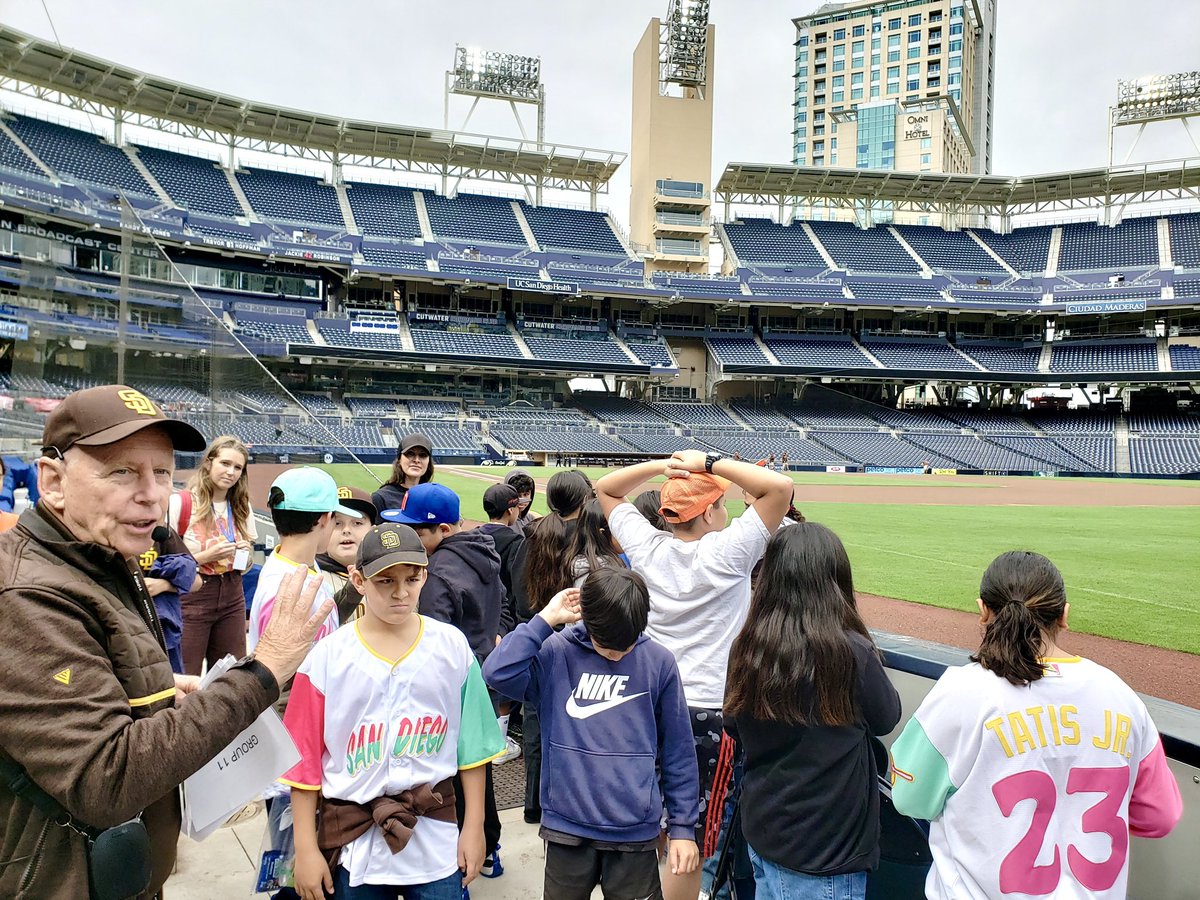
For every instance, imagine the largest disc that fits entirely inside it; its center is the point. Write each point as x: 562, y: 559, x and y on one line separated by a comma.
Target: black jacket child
x: 465, y: 590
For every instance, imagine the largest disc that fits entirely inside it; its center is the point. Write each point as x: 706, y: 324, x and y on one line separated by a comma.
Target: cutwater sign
x: 543, y: 287
x: 1105, y: 306
x: 16, y: 330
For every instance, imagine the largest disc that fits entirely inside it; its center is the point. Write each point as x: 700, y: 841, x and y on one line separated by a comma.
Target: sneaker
x: 511, y: 751
x: 491, y: 866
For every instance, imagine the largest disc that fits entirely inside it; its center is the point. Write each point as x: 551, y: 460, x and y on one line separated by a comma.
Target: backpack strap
x: 185, y: 512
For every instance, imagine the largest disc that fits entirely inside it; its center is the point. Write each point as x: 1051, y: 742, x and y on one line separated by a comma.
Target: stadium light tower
x: 492, y: 75
x: 683, y: 47
x: 1156, y: 98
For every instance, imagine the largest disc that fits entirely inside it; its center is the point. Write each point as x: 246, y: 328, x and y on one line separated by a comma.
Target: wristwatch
x: 710, y: 460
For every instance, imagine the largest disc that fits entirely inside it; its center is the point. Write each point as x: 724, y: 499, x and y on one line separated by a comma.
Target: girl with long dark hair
x: 214, y: 518
x: 413, y: 465
x: 806, y: 693
x: 592, y: 547
x: 997, y: 751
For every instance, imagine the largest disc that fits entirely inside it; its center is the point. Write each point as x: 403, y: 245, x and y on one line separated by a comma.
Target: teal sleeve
x: 920, y: 777
x: 479, y: 737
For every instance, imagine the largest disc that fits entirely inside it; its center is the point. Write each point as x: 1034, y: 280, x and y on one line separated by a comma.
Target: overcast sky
x: 1058, y: 62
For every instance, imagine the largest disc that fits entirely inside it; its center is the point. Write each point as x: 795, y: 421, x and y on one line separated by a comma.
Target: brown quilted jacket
x: 88, y: 707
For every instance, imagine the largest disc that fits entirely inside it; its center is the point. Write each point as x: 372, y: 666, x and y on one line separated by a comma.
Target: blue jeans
x: 774, y: 882
x: 448, y: 888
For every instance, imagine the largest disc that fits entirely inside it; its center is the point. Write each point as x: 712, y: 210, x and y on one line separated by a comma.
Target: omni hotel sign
x: 916, y: 126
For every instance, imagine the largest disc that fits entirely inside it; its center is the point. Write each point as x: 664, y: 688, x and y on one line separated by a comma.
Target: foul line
x: 947, y: 562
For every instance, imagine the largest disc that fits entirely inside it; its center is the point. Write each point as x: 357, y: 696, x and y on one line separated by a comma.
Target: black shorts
x: 573, y: 872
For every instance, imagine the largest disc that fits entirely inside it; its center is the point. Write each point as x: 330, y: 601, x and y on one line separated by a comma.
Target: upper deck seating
x: 1114, y: 357
x: 384, y: 209
x: 1184, y: 357
x: 864, y: 250
x: 465, y: 343
x: 895, y: 290
x: 916, y: 355
x: 1133, y: 243
x: 763, y: 242
x: 999, y: 358
x: 620, y: 411
x: 80, y: 154
x: 195, y: 183
x: 13, y: 157
x: 1025, y: 249
x: 951, y: 251
x: 1185, y: 240
x: 572, y: 229
x: 737, y: 350
x: 289, y: 197
x: 474, y: 217
x: 829, y: 351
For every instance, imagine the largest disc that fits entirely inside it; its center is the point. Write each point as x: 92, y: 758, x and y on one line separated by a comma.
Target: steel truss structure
x: 961, y: 197
x: 44, y: 71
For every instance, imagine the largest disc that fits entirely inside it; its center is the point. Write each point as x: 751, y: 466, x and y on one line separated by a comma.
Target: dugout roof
x: 47, y: 71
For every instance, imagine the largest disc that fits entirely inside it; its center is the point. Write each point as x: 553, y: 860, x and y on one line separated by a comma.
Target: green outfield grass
x: 1131, y: 572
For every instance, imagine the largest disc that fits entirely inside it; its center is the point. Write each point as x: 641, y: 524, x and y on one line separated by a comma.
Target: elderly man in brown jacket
x: 89, y: 707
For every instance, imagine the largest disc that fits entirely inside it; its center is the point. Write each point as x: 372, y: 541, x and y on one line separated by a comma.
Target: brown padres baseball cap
x: 357, y: 498
x: 105, y: 415
x: 389, y: 545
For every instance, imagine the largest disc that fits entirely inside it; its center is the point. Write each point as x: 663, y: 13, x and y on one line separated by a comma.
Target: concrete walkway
x: 226, y: 864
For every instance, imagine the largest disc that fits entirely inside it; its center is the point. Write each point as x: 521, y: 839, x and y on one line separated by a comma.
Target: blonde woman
x: 215, y: 520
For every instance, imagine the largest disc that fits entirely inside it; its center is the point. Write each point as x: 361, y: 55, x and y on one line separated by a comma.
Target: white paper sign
x: 238, y: 774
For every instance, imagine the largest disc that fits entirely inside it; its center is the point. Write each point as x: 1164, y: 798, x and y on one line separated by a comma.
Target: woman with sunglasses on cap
x: 413, y: 466
x: 214, y: 518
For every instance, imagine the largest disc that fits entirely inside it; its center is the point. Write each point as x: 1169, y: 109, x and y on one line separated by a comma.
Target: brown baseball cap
x: 105, y: 415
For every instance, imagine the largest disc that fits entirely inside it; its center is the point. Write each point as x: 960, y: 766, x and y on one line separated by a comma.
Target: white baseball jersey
x: 367, y: 726
x: 274, y: 570
x: 1033, y: 791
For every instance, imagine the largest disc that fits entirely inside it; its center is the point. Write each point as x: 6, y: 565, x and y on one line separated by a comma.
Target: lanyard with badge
x: 241, y: 557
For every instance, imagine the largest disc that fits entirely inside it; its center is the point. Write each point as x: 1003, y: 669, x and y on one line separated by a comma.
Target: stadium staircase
x: 867, y: 353
x: 344, y: 205
x: 620, y: 342
x: 423, y: 215
x: 530, y: 237
x: 1164, y: 356
x: 1166, y: 259
x: 519, y: 340
x: 766, y: 351
x: 1044, y: 360
x: 1121, y: 463
x: 243, y: 200
x: 317, y: 337
x: 816, y: 242
x: 24, y: 148
x: 1056, y: 237
x: 1013, y: 273
x: 159, y: 190
x: 925, y: 269
x: 974, y: 362
x: 733, y: 263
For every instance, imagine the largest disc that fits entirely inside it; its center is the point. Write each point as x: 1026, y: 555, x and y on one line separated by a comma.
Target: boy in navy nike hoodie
x: 613, y: 718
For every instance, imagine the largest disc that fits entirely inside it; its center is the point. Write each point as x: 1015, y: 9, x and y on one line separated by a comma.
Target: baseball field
x: 1128, y: 549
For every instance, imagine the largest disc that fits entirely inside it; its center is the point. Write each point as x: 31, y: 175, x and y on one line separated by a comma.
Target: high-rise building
x: 895, y: 84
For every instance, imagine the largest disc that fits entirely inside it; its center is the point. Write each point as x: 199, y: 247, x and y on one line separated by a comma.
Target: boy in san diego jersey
x: 384, y: 713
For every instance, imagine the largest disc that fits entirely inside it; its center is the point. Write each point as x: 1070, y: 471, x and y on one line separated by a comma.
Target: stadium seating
x: 474, y: 217
x: 1112, y: 357
x: 446, y: 441
x: 433, y: 409
x: 1025, y: 249
x: 1185, y: 240
x: 619, y: 411
x: 289, y: 197
x: 13, y: 157
x: 384, y: 210
x: 736, y: 350
x: 404, y: 256
x: 659, y: 443
x: 895, y: 291
x: 1164, y: 456
x: 1000, y: 358
x: 987, y: 422
x: 80, y: 154
x: 1013, y: 296
x: 718, y: 287
x: 1187, y: 287
x: 761, y: 417
x: 1132, y: 243
x: 877, y: 449
x: 337, y: 333
x: 859, y: 250
x: 595, y: 274
x: 572, y: 229
x: 1144, y: 423
x: 952, y: 251
x: 916, y: 355
x: 652, y: 352
x: 832, y: 351
x: 556, y: 440
x: 1097, y: 452
x: 1072, y: 423
x: 526, y: 416
x: 761, y: 242
x: 823, y: 291
x: 973, y: 453
x: 695, y: 415
x: 465, y: 343
x: 371, y: 407
x: 1184, y: 357
x: 198, y: 184
x: 274, y: 332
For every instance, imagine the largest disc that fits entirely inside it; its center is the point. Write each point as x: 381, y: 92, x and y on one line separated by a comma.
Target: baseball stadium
x: 947, y: 363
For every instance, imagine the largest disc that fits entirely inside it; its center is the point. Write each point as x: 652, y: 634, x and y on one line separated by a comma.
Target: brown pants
x: 214, y: 621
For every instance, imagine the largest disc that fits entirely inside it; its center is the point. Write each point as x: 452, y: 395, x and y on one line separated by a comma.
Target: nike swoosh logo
x: 575, y: 711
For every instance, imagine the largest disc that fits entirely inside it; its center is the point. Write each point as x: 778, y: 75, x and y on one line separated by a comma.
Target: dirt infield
x: 1169, y: 674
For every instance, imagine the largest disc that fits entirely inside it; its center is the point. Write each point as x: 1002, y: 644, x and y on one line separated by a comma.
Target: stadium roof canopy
x: 46, y: 71
x: 1116, y: 187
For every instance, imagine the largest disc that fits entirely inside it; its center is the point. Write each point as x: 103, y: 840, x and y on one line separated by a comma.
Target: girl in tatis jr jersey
x: 1033, y: 765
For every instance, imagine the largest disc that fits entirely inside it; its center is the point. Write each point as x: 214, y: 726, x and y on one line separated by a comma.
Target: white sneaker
x: 511, y: 751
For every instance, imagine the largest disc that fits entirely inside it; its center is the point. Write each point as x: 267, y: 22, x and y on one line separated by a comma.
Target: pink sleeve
x: 1156, y: 806
x: 305, y: 722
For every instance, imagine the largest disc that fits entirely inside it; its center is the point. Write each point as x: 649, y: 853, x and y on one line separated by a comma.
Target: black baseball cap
x: 499, y: 499
x: 416, y: 439
x: 389, y: 545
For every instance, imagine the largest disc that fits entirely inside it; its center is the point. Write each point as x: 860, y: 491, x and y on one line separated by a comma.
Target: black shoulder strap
x: 17, y: 780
